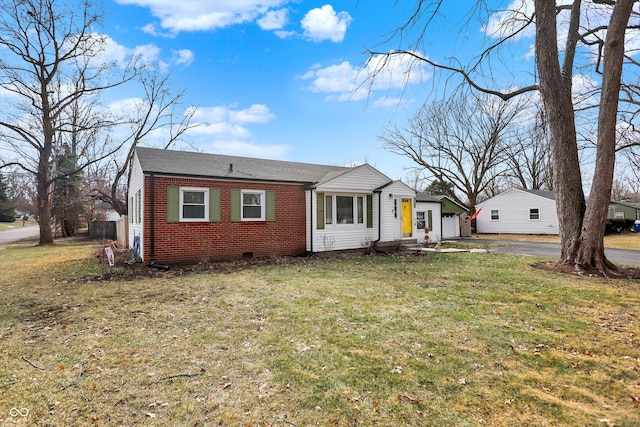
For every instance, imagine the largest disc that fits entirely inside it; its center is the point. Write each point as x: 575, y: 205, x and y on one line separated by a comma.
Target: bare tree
x: 460, y: 140
x: 529, y: 156
x: 581, y: 225
x: 49, y: 64
x: 156, y: 113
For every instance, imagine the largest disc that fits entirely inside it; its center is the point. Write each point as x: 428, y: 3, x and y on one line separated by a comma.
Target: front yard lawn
x: 444, y: 339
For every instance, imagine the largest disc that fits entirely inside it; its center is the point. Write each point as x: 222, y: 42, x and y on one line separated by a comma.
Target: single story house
x: 624, y: 210
x: 453, y: 214
x: 188, y: 206
x: 429, y: 214
x: 518, y: 211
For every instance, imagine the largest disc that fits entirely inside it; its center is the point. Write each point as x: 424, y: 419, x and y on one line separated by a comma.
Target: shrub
x: 618, y: 225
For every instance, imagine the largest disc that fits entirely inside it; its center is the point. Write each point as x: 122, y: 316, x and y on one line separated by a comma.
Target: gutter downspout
x: 311, y: 221
x: 379, y: 217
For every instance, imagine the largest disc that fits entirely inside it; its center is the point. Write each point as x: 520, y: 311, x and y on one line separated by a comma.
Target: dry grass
x: 623, y: 241
x: 448, y: 339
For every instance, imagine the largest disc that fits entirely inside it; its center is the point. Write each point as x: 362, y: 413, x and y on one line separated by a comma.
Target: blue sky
x: 281, y: 79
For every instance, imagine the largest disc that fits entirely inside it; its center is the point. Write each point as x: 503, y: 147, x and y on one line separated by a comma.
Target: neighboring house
x: 518, y: 211
x: 452, y: 215
x: 624, y: 210
x: 429, y: 214
x: 104, y: 212
x: 186, y: 207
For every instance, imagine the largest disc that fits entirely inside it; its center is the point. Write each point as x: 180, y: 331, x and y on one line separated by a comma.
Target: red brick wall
x: 214, y: 241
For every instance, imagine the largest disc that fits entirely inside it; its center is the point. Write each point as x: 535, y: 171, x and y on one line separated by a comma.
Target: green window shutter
x: 173, y: 204
x: 320, y: 211
x: 430, y: 220
x: 130, y: 210
x: 236, y: 205
x: 139, y: 206
x: 369, y: 210
x: 270, y: 208
x: 214, y: 204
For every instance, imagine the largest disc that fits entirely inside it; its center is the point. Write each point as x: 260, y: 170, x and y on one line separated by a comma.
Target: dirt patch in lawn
x: 621, y: 273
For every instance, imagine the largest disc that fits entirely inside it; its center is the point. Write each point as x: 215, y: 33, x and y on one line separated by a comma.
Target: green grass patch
x: 443, y: 339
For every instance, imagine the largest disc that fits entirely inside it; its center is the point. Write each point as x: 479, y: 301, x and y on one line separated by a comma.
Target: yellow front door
x: 407, y: 218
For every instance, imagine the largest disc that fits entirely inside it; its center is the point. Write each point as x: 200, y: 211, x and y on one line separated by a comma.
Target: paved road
x: 18, y: 233
x: 552, y: 250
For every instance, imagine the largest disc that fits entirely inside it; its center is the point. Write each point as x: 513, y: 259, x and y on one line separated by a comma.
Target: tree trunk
x: 581, y: 226
x: 591, y: 253
x: 555, y: 90
x: 44, y: 207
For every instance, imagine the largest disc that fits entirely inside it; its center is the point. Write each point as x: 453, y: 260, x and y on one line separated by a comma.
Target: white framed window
x: 253, y: 204
x: 495, y: 215
x: 194, y: 204
x: 328, y: 209
x: 534, y: 214
x: 341, y: 209
x: 360, y: 209
x: 420, y: 220
x: 619, y: 215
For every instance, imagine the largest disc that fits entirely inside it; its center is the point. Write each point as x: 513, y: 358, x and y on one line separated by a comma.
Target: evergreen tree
x: 7, y: 212
x: 67, y: 198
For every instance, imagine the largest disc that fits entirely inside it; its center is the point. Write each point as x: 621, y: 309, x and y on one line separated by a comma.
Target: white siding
x: 337, y: 237
x: 514, y: 206
x: 363, y: 178
x: 359, y: 181
x: 136, y: 183
x: 451, y: 226
x: 435, y: 233
x: 391, y: 198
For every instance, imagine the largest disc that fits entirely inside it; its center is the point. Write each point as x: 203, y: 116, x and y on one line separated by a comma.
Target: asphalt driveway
x: 18, y: 233
x: 552, y: 250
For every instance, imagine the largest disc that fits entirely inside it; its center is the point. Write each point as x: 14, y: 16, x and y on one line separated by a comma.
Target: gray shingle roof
x: 186, y: 163
x: 542, y: 193
x: 421, y: 197
x: 627, y: 204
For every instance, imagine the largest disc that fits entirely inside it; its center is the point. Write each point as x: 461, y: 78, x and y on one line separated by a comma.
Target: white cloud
x: 148, y: 54
x: 593, y: 15
x: 224, y: 130
x: 344, y: 82
x: 385, y: 102
x: 200, y: 15
x: 325, y: 24
x: 126, y: 106
x: 247, y: 149
x: 257, y: 113
x: 274, y: 20
x: 182, y: 57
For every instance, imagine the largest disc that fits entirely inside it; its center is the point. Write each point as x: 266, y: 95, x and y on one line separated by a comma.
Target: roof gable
x: 185, y: 163
x: 363, y: 177
x: 451, y: 206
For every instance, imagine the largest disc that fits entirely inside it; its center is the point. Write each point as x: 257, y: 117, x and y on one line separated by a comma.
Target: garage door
x: 450, y: 227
